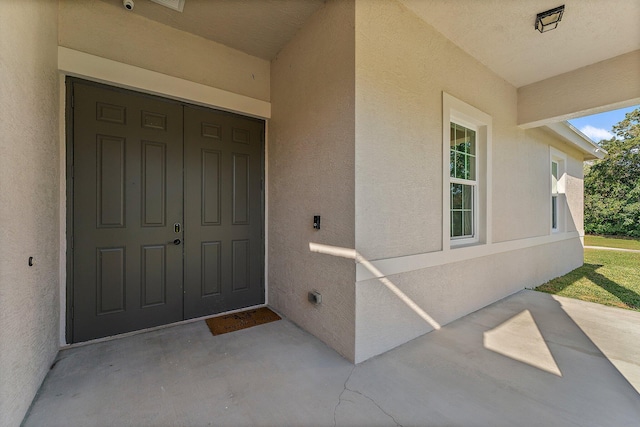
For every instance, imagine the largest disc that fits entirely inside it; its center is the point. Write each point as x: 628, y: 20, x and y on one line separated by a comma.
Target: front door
x: 166, y: 211
x: 223, y: 212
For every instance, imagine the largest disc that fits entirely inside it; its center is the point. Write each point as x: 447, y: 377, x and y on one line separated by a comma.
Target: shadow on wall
x: 570, y: 220
x: 544, y: 336
x: 353, y: 254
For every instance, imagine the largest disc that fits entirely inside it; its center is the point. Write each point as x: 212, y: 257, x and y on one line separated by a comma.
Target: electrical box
x: 315, y: 297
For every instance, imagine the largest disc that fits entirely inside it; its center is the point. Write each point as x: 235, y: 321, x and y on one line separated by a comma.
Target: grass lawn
x: 612, y: 242
x: 607, y: 277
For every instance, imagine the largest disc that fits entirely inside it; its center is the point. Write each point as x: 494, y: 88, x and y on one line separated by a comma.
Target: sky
x: 598, y: 126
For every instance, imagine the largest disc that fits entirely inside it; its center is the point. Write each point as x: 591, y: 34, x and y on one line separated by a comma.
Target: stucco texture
x: 611, y: 84
x: 29, y: 201
x: 402, y: 68
x: 110, y: 31
x: 450, y: 291
x: 311, y: 172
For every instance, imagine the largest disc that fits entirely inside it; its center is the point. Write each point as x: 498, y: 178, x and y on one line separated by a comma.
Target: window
x: 466, y: 174
x: 463, y: 184
x: 557, y: 175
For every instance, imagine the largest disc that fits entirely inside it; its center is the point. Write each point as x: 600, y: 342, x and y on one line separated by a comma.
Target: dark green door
x: 223, y: 212
x: 153, y: 194
x: 127, y: 196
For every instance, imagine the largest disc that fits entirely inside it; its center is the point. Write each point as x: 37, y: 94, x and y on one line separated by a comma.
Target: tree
x: 612, y: 185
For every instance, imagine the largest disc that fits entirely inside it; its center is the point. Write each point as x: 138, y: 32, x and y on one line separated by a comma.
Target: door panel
x: 224, y: 214
x: 154, y: 178
x: 110, y: 280
x: 127, y: 194
x: 211, y: 187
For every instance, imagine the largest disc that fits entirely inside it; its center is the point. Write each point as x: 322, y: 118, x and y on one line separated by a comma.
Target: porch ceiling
x: 498, y: 33
x: 258, y: 27
x: 501, y: 35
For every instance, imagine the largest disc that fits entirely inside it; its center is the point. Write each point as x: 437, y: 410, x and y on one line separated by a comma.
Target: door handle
x: 176, y: 242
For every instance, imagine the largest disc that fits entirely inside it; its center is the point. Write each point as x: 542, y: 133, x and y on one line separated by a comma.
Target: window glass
x: 554, y: 177
x: 462, y: 152
x: 462, y: 210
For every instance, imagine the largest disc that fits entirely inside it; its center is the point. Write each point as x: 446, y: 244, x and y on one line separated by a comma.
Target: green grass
x: 612, y: 242
x: 607, y: 277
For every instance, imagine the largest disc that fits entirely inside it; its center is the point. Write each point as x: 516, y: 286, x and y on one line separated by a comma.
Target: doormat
x: 242, y: 320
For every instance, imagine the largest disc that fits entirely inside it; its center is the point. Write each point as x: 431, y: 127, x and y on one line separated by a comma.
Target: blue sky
x: 598, y: 126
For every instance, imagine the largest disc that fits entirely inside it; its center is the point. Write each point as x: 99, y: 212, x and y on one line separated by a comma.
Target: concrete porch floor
x: 528, y: 360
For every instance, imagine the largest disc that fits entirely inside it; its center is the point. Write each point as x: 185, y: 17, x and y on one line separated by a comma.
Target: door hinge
x: 73, y: 98
x: 72, y: 312
x: 73, y: 172
x: 71, y: 242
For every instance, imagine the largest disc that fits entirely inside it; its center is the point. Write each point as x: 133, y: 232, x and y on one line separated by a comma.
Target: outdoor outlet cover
x: 315, y: 297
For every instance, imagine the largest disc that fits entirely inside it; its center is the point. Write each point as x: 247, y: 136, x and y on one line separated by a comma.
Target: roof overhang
x: 572, y: 136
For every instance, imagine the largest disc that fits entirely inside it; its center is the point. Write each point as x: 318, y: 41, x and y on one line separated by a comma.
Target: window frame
x: 559, y: 195
x: 473, y: 183
x: 463, y: 114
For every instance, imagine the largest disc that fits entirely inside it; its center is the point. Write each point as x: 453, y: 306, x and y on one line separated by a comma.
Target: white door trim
x: 80, y: 64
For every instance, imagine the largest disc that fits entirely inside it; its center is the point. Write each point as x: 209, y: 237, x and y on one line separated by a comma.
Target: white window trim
x: 560, y: 158
x: 457, y: 111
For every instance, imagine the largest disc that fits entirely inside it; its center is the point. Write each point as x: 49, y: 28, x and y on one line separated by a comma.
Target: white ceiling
x: 258, y: 27
x: 501, y: 35
x: 498, y: 33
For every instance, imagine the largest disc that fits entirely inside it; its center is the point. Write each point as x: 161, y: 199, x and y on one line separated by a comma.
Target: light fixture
x: 547, y: 21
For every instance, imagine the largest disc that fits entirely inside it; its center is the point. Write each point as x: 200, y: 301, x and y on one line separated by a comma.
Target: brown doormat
x: 244, y: 319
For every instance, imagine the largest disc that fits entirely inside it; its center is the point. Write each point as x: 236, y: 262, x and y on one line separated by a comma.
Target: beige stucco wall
x: 521, y: 202
x: 402, y: 68
x: 29, y: 201
x: 450, y: 291
x: 574, y: 189
x: 311, y: 172
x: 108, y: 30
x: 596, y: 88
x: 573, y: 195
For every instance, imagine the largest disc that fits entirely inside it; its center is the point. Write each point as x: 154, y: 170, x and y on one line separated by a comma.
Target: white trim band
x: 390, y: 266
x: 96, y: 68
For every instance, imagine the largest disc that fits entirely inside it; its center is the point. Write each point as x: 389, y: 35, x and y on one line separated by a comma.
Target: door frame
x: 92, y: 69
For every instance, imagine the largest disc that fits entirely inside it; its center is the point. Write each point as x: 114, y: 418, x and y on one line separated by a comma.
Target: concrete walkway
x: 605, y: 248
x: 531, y: 359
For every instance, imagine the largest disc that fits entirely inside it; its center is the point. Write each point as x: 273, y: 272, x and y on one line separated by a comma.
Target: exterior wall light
x: 547, y: 21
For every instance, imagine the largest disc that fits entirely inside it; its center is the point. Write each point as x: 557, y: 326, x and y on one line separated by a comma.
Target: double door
x: 167, y: 211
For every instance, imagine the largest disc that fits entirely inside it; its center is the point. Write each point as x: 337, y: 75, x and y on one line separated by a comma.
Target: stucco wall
x: 106, y: 29
x: 573, y: 199
x: 311, y: 172
x: 402, y: 68
x: 450, y: 291
x: 575, y: 195
x: 611, y: 84
x: 521, y: 183
x: 29, y: 201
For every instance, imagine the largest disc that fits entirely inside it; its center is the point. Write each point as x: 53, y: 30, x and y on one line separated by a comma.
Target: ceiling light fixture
x: 547, y: 21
